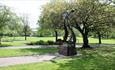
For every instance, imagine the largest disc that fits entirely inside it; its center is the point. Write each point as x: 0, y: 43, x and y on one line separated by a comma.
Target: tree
x: 85, y: 16
x: 5, y: 17
x: 51, y: 17
x: 26, y: 28
x: 41, y: 32
x: 14, y: 26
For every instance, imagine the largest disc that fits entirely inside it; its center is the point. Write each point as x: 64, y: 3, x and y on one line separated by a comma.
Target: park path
x: 33, y: 46
x: 29, y: 46
x: 49, y: 46
x: 7, y: 61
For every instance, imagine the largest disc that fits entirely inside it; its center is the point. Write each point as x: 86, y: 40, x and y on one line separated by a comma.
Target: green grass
x: 95, y: 40
x: 24, y: 52
x: 15, y: 43
x: 102, y: 58
x: 28, y: 38
x: 19, y: 41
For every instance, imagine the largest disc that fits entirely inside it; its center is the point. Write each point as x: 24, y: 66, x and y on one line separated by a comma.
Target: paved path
x: 34, y: 46
x: 48, y: 46
x: 25, y: 59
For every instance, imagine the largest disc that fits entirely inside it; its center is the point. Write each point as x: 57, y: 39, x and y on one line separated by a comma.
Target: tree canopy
x: 9, y: 22
x: 86, y: 16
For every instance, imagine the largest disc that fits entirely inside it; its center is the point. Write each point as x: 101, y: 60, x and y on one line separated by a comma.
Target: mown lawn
x: 19, y: 41
x: 101, y: 58
x: 24, y: 52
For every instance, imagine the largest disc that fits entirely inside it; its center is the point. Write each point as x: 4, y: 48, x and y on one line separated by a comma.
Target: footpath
x: 7, y: 61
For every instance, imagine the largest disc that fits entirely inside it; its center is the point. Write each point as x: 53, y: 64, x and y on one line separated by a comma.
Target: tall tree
x: 5, y: 17
x: 51, y: 17
x: 85, y: 17
x: 88, y: 14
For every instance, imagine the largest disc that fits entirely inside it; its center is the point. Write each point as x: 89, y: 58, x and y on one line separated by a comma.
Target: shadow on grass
x: 4, y: 45
x: 40, y: 50
x: 98, y: 59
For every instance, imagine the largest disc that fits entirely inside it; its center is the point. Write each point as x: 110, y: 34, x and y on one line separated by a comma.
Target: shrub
x: 41, y: 42
x: 50, y: 42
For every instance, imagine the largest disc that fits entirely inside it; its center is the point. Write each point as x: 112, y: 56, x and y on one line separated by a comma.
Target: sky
x: 32, y: 8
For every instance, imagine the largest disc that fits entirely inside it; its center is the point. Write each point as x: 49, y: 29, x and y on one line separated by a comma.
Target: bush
x: 41, y: 42
x: 50, y: 42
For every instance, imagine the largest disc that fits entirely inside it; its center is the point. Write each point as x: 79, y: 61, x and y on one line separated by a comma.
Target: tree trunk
x: 25, y: 36
x: 107, y: 35
x: 0, y: 40
x: 85, y: 41
x: 99, y: 36
x: 56, y: 35
x: 66, y: 33
x: 74, y: 36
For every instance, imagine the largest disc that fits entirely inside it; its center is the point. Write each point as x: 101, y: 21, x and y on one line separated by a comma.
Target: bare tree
x: 26, y: 28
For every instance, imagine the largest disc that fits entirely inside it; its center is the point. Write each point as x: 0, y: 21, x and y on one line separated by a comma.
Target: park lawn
x: 101, y: 58
x: 19, y: 41
x: 32, y: 39
x: 15, y: 43
x: 25, y: 52
x: 95, y: 41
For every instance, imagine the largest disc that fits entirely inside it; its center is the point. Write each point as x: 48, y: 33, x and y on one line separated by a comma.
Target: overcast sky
x: 28, y: 7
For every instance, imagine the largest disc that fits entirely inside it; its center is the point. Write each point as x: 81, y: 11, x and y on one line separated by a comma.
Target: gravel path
x: 25, y: 59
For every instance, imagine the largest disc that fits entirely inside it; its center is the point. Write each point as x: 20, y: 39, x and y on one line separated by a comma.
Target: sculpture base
x: 67, y: 50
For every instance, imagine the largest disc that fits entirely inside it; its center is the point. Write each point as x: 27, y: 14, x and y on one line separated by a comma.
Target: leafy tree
x: 14, y: 25
x: 51, y: 17
x: 10, y: 23
x: 44, y: 32
x: 5, y: 17
x: 85, y: 15
x: 88, y: 16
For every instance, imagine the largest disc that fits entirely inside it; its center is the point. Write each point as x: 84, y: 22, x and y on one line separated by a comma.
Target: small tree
x: 26, y: 27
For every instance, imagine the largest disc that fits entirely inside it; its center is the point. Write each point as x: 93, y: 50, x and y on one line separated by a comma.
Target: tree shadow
x: 4, y: 45
x: 36, y: 51
x: 88, y: 61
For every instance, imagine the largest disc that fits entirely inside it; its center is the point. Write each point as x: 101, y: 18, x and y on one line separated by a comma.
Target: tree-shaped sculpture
x: 69, y: 41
